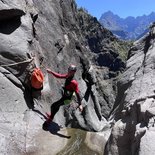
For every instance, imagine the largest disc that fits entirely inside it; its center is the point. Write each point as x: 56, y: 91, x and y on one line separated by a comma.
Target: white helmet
x: 72, y: 68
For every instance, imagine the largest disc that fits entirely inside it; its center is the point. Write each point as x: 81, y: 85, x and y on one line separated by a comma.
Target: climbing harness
x: 68, y: 101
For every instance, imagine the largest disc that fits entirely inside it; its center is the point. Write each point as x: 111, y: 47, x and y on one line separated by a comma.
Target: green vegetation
x: 122, y: 48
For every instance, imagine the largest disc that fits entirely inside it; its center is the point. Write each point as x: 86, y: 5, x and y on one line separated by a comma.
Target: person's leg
x: 55, y: 107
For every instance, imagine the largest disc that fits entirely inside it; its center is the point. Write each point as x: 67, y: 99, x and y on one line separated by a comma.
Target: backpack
x: 37, y: 79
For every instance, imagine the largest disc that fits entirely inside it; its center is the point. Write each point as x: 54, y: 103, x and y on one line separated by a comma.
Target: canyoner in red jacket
x: 71, y: 86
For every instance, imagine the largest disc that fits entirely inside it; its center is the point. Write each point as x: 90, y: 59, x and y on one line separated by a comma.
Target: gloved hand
x: 80, y: 108
x: 48, y: 70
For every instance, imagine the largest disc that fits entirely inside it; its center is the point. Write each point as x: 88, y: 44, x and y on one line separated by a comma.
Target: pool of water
x: 76, y: 144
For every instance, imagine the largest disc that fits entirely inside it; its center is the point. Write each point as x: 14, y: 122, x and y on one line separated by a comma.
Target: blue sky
x: 123, y: 8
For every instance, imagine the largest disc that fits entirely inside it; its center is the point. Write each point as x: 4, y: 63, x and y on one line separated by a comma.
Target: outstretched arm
x: 57, y: 75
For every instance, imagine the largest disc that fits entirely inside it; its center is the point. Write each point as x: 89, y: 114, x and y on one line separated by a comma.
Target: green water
x: 76, y: 145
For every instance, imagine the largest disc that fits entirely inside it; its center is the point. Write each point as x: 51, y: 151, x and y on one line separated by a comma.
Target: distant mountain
x: 129, y: 28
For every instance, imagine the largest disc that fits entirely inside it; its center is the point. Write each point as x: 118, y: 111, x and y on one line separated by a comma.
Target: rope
x: 14, y: 64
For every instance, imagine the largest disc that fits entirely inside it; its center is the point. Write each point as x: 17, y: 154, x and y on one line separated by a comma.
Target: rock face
x: 133, y: 114
x: 47, y: 34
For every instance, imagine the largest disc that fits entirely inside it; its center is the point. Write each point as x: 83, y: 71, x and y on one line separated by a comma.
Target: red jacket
x: 72, y: 86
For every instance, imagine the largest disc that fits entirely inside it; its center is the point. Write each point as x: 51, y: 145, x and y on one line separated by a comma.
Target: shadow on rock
x: 53, y: 128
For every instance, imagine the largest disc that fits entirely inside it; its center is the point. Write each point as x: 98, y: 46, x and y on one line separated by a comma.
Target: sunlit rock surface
x: 133, y: 114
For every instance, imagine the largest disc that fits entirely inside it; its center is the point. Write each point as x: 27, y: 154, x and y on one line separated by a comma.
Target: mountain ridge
x: 129, y: 28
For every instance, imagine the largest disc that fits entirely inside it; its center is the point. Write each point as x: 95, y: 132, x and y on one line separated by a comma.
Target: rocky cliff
x: 133, y: 114
x: 54, y: 34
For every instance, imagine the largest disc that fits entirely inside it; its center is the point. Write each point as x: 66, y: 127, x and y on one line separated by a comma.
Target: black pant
x: 56, y: 105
